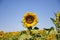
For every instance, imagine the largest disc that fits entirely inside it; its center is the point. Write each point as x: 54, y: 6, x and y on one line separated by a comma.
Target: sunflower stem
x: 29, y: 28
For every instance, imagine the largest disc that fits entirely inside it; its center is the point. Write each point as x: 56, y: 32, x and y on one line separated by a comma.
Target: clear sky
x: 12, y: 11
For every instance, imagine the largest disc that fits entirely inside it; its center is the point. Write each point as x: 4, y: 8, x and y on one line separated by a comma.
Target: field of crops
x: 34, y: 33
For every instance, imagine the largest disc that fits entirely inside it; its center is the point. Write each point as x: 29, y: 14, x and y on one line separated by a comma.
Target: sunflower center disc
x: 29, y: 19
x: 59, y: 18
x: 1, y: 34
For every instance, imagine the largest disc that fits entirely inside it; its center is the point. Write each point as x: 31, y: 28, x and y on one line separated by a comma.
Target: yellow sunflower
x: 15, y: 33
x: 8, y: 34
x: 1, y: 34
x: 41, y: 31
x: 29, y: 19
x: 58, y: 17
x: 49, y: 37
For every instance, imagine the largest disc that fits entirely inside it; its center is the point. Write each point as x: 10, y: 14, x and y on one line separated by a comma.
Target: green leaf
x: 55, y: 14
x: 36, y: 28
x: 53, y: 20
x: 29, y: 28
x: 52, y: 28
x: 46, y: 29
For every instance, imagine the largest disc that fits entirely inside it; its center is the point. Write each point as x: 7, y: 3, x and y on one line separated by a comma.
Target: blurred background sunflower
x: 29, y: 19
x: 50, y: 37
x: 1, y: 34
x: 58, y: 17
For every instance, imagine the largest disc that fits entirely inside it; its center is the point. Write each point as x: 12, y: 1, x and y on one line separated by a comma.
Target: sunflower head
x: 49, y: 37
x: 8, y: 34
x: 58, y: 17
x: 1, y: 34
x: 41, y: 31
x: 15, y: 33
x: 29, y: 19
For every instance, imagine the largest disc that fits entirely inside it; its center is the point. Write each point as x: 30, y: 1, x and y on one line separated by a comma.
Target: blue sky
x: 12, y: 11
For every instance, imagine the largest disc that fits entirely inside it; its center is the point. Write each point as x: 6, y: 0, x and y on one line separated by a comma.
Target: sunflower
x: 29, y: 19
x: 41, y: 31
x: 15, y: 33
x: 1, y: 34
x: 8, y: 34
x: 58, y: 17
x: 49, y: 37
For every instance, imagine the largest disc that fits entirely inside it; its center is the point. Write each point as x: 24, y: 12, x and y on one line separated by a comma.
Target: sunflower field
x: 29, y: 21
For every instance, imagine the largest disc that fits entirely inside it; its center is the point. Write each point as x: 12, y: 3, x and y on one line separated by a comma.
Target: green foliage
x: 36, y: 28
x: 55, y: 15
x: 53, y: 20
